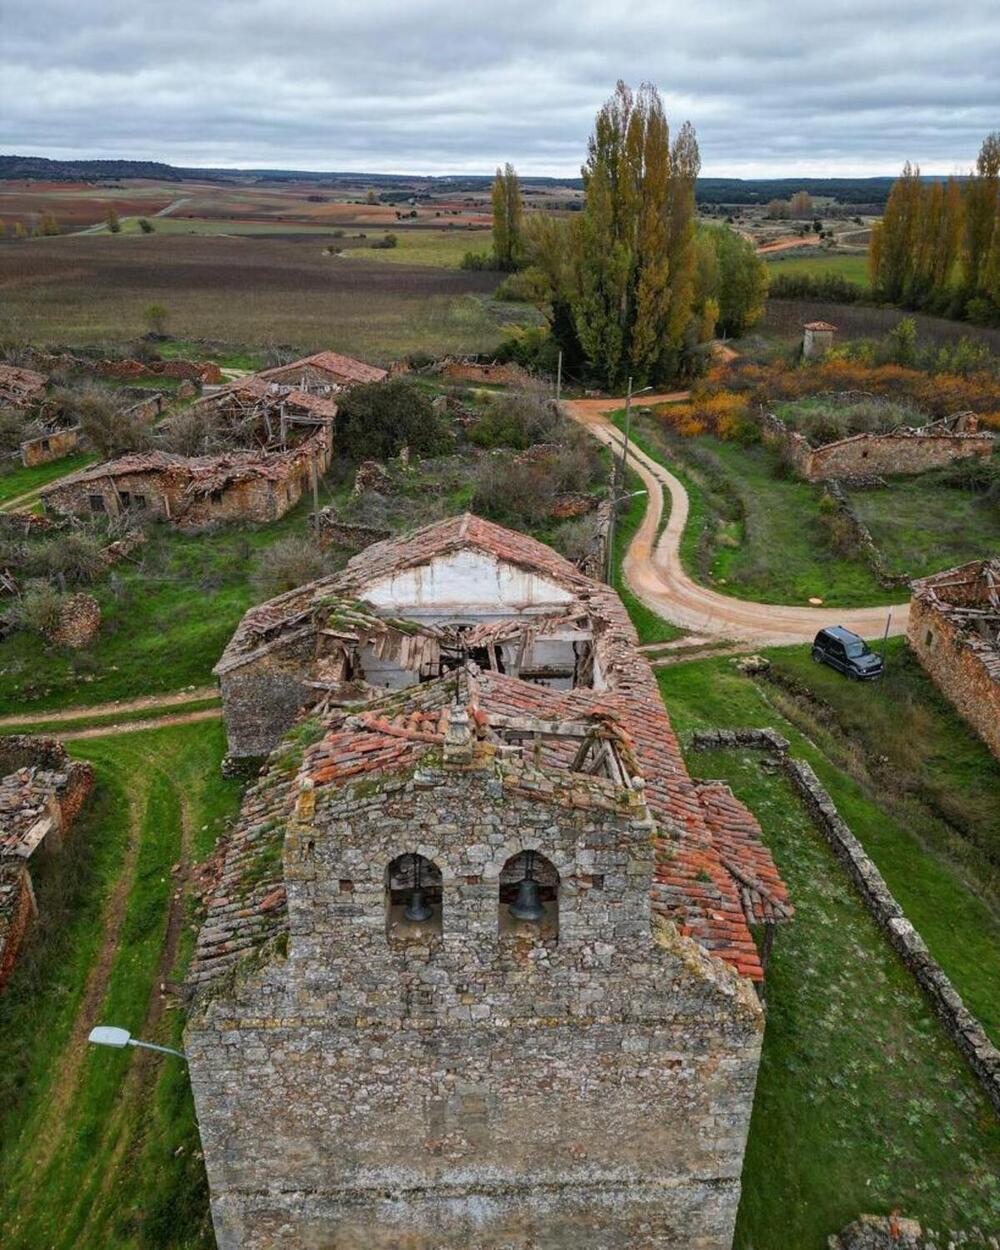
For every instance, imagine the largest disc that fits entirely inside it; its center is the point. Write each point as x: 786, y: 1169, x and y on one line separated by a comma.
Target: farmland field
x: 852, y: 268
x: 260, y: 291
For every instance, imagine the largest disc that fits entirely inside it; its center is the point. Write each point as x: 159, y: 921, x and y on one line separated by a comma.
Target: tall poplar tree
x: 634, y: 260
x: 508, y: 216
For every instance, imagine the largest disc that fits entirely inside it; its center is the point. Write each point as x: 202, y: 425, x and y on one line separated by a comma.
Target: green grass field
x: 922, y: 526
x: 752, y: 534
x: 165, y: 621
x: 98, y: 1147
x: 19, y: 481
x: 215, y: 226
x: 852, y: 268
x: 862, y: 1103
x: 440, y: 248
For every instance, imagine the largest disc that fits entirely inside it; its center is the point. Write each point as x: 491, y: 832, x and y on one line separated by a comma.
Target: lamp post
x: 628, y: 422
x: 108, y: 1035
x: 616, y: 499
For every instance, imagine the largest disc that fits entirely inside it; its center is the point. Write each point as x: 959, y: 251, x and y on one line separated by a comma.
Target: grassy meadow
x: 853, y: 268
x: 862, y: 1103
x: 100, y: 1147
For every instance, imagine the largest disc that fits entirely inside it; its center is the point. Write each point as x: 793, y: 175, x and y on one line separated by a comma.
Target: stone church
x: 477, y: 968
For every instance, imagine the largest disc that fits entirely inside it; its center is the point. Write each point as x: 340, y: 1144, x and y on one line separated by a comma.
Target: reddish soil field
x: 78, y: 204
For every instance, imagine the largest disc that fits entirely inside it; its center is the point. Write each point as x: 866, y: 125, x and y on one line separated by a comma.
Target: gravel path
x: 655, y: 574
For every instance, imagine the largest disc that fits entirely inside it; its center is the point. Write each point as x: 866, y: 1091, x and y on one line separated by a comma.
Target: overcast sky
x: 438, y: 86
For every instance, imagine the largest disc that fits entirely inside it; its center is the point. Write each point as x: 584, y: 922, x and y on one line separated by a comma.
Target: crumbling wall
x: 262, y: 698
x: 866, y: 455
x: 47, y: 447
x: 895, y: 453
x: 17, y: 907
x: 965, y: 668
x: 470, y: 1089
x: 494, y: 374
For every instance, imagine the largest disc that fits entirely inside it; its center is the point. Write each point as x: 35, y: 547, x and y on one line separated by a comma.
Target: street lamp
x: 108, y: 1035
x: 609, y: 555
x: 628, y: 422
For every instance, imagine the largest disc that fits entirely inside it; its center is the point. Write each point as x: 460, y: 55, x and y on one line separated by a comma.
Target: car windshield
x: 854, y: 649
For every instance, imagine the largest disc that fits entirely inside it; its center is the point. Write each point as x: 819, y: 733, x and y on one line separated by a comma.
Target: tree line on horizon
x: 631, y: 286
x: 937, y: 249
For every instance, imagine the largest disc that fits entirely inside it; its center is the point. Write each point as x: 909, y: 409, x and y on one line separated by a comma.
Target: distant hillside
x: 43, y: 170
x: 710, y: 190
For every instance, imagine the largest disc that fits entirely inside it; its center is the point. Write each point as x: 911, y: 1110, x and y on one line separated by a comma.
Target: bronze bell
x: 417, y: 908
x: 527, y: 905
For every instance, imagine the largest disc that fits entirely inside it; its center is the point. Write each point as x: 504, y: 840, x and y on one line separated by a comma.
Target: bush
x: 191, y: 432
x: 377, y: 420
x: 108, y: 429
x: 291, y: 562
x: 479, y: 261
x: 518, y: 419
x: 830, y: 286
x: 39, y: 609
x: 155, y: 317
x: 146, y: 226
x: 577, y: 539
x: 508, y: 491
x: 390, y: 240
x: 74, y: 558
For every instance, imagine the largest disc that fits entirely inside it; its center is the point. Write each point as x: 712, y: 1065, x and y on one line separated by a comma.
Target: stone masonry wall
x: 475, y: 1087
x: 261, y: 699
x: 867, y: 455
x: 957, y: 669
x: 959, y: 1023
x: 48, y: 447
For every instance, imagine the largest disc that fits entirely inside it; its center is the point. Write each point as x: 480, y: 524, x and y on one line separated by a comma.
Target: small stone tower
x: 402, y: 1061
x: 817, y: 339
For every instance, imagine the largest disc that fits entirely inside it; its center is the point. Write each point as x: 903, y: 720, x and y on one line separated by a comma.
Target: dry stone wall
x: 960, y: 1024
x: 903, y: 451
x: 965, y: 668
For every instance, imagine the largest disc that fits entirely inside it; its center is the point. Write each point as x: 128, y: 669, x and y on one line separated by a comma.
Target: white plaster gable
x: 466, y: 579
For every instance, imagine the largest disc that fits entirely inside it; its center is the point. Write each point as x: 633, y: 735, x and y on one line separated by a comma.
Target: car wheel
x: 817, y: 656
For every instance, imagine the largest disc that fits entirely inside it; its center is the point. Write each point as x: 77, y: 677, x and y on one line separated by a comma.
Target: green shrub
x: 479, y: 261
x: 289, y: 563
x: 39, y: 608
x: 146, y: 226
x: 377, y: 420
x: 388, y: 241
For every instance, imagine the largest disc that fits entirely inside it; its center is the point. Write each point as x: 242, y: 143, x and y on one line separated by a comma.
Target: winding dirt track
x: 655, y: 574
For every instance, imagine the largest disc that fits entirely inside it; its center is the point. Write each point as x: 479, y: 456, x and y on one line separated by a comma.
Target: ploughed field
x: 253, y: 290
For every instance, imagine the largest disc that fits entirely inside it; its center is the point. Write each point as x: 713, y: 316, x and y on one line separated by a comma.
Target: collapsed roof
x: 341, y: 370
x: 713, y: 878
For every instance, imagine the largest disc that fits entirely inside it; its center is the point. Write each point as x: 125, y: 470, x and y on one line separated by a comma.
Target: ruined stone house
x: 383, y: 1053
x: 41, y: 792
x: 904, y: 450
x: 324, y: 373
x: 954, y: 630
x: 255, y: 486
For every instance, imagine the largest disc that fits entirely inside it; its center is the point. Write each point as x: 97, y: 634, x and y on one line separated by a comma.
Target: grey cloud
x: 437, y: 86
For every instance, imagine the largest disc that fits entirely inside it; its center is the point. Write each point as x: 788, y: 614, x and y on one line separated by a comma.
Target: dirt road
x: 654, y: 571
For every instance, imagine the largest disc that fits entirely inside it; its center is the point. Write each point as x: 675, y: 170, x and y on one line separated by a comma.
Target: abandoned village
x: 479, y: 963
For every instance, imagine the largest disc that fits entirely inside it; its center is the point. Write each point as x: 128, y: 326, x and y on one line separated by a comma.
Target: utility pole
x: 559, y: 377
x: 620, y: 476
x: 315, y: 495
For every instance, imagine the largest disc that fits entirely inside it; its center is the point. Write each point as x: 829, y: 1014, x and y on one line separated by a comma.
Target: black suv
x: 847, y: 653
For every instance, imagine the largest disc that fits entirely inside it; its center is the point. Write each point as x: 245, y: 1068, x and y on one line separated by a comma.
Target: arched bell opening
x: 413, y: 899
x: 529, y: 897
